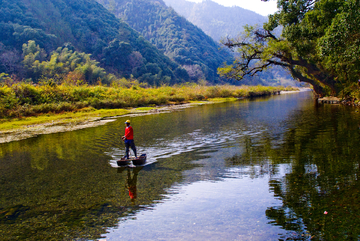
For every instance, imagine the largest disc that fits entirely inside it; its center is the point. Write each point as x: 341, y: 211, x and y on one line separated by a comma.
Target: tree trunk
x: 319, y: 90
x: 320, y: 76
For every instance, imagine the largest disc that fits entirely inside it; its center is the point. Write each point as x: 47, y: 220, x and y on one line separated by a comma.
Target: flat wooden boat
x: 140, y: 160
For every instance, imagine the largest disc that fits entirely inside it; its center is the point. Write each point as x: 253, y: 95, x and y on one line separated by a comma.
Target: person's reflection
x: 131, y: 182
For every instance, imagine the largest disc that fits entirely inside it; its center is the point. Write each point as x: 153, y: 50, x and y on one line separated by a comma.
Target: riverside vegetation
x: 46, y: 100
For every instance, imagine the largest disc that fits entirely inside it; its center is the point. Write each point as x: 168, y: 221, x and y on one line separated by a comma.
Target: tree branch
x: 252, y: 49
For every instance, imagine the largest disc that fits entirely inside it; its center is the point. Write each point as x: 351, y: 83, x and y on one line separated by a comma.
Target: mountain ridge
x: 179, y: 39
x: 214, y: 19
x: 220, y: 22
x: 91, y: 29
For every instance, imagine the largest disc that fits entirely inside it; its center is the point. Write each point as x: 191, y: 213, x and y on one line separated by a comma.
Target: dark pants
x: 128, y: 144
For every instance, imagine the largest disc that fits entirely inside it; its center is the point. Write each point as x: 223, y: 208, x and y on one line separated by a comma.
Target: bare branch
x: 262, y: 35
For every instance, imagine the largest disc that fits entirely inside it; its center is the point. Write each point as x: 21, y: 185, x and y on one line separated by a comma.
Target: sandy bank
x: 296, y: 91
x: 59, y: 126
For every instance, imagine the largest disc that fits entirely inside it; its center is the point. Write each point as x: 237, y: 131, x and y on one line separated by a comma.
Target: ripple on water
x: 188, y: 142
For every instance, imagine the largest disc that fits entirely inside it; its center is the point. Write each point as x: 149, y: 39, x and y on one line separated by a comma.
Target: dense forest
x: 88, y: 35
x: 319, y: 45
x: 176, y: 37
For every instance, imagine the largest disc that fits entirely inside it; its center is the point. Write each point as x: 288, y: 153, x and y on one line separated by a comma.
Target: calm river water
x: 280, y: 168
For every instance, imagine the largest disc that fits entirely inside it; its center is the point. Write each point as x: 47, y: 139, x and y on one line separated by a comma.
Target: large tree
x: 318, y: 44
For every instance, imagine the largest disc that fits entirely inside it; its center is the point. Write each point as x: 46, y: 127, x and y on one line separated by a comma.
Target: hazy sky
x: 263, y: 8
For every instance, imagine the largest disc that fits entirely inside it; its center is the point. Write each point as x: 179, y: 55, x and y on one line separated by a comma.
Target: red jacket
x: 129, y: 133
x: 132, y: 192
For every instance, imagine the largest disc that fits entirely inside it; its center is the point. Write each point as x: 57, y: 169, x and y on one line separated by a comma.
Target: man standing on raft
x: 128, y: 138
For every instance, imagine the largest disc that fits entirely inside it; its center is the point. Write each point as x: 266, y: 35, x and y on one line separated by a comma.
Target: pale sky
x: 263, y: 8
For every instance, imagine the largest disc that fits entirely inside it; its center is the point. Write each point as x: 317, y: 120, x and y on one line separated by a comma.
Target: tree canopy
x: 319, y: 45
x: 64, y: 63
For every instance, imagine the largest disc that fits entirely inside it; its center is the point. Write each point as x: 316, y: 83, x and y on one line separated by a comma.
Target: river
x: 275, y: 168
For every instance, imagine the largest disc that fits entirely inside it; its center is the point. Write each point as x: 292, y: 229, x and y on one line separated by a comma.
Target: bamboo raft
x: 141, y: 160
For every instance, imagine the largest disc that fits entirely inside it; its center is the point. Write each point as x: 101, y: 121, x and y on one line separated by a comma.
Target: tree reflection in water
x: 320, y: 191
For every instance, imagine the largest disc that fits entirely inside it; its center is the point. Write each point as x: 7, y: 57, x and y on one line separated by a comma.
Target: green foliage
x: 5, y: 79
x: 326, y: 33
x: 81, y: 26
x: 8, y: 100
x: 116, y: 55
x: 22, y: 99
x: 340, y: 45
x: 254, y: 56
x: 62, y: 62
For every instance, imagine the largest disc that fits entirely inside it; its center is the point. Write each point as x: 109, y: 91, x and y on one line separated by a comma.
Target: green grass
x: 23, y: 105
x: 59, y: 119
x: 145, y: 109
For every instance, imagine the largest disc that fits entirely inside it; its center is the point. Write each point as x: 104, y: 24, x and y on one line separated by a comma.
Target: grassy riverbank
x: 25, y: 105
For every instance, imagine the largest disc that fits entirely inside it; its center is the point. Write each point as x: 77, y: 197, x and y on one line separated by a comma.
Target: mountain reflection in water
x: 280, y: 168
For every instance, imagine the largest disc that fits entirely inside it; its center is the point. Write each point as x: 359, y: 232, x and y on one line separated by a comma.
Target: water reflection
x: 320, y: 190
x: 131, y: 181
x: 244, y: 170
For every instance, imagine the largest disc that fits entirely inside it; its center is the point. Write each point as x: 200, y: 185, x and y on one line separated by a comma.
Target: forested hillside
x: 81, y: 28
x: 179, y: 39
x: 214, y: 19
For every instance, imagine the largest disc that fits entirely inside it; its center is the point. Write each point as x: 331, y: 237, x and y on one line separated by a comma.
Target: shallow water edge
x: 59, y: 126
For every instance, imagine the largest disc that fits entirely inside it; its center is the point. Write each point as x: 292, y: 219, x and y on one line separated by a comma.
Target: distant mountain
x: 214, y: 19
x: 220, y: 22
x: 176, y: 37
x: 88, y: 27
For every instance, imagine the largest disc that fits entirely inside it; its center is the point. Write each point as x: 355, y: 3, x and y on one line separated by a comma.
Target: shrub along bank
x: 22, y: 99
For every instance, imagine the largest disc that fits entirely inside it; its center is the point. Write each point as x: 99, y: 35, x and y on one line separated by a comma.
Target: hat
x: 128, y: 121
